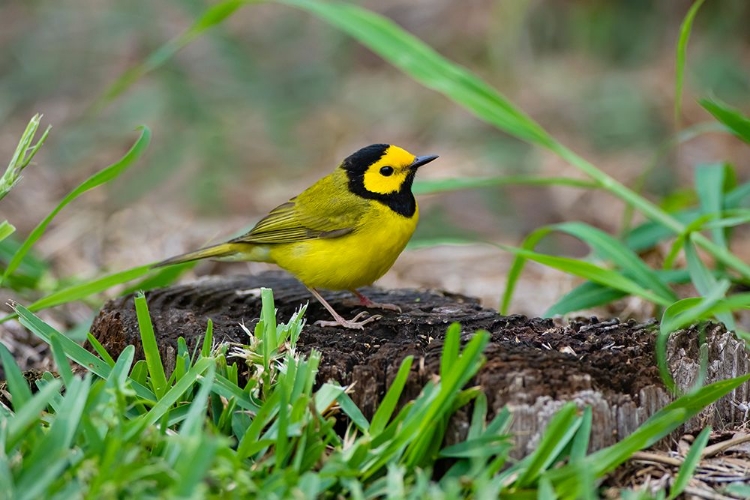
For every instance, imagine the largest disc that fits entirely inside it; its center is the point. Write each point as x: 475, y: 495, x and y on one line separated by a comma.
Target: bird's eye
x: 386, y: 171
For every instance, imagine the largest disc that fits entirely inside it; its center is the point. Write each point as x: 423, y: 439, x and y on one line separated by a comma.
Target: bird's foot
x: 353, y: 324
x: 366, y: 302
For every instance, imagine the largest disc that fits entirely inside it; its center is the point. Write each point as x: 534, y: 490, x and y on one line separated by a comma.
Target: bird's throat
x: 402, y: 201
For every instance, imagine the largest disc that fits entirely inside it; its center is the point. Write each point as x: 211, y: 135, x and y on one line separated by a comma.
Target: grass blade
x: 100, y: 350
x: 480, y: 447
x: 682, y: 313
x: 121, y: 368
x: 519, y: 262
x: 704, y: 281
x: 649, y: 234
x: 709, y: 184
x: 223, y: 387
x: 426, y: 66
x: 31, y: 412
x: 589, y: 295
x: 451, y: 346
x: 590, y: 272
x: 580, y: 445
x: 479, y: 417
x: 585, y: 296
x: 692, y: 459
x: 429, y: 428
x: 6, y: 229
x: 432, y: 186
x: 560, y: 430
x: 546, y: 491
x: 685, y: 29
x: 72, y: 349
x: 29, y: 273
x: 213, y: 16
x: 99, y: 178
x: 17, y: 384
x: 22, y: 156
x: 388, y: 404
x: 737, y: 123
x: 353, y: 412
x: 686, y: 312
x: 606, y: 247
x: 61, y: 360
x: 150, y: 347
x: 83, y: 290
x: 249, y: 443
x: 609, y: 248
x: 161, y: 277
x: 192, y: 469
x: 265, y: 330
x: 738, y: 490
x: 208, y: 339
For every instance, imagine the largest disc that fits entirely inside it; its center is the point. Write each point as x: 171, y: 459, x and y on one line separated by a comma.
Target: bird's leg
x: 365, y: 301
x: 353, y: 323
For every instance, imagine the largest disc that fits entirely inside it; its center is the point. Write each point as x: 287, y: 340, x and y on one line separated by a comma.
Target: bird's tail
x: 222, y: 250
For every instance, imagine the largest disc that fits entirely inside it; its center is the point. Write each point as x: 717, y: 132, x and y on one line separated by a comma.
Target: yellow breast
x: 351, y: 261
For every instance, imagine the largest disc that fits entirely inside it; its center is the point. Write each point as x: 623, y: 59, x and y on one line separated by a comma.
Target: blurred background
x: 272, y: 99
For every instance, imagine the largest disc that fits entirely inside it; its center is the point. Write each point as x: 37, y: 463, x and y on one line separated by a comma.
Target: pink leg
x: 365, y: 301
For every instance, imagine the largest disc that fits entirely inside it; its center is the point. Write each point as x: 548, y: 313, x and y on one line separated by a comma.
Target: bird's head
x: 382, y: 169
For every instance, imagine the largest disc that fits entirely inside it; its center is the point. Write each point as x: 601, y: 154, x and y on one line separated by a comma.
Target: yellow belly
x: 351, y: 261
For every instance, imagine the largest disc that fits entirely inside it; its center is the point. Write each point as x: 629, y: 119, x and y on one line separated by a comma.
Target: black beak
x: 422, y: 160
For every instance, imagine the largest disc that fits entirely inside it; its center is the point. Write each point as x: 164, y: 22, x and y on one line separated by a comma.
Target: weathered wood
x: 532, y: 365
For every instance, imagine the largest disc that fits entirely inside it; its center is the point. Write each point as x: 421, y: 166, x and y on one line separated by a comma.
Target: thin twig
x: 648, y: 456
x: 717, y: 448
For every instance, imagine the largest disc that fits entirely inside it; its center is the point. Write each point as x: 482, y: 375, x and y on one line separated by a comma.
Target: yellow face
x: 388, y: 174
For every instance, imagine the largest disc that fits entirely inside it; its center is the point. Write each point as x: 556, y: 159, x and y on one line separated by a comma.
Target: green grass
x: 202, y: 432
x: 131, y: 429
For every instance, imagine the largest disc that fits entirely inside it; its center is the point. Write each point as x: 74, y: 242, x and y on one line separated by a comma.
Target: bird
x: 343, y: 232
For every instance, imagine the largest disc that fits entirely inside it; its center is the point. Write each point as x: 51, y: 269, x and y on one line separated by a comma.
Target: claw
x: 354, y: 323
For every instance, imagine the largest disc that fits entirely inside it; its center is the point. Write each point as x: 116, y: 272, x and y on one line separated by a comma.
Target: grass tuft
x: 25, y: 152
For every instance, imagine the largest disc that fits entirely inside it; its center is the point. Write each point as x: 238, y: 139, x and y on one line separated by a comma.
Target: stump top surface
x: 612, y: 357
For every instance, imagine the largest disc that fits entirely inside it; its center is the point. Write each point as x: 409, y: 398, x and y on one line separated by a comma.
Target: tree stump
x: 533, y: 366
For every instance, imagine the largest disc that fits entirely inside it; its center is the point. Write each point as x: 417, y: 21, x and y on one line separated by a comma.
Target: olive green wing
x: 319, y: 212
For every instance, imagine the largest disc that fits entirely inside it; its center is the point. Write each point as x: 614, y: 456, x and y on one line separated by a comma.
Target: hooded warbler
x: 343, y: 232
